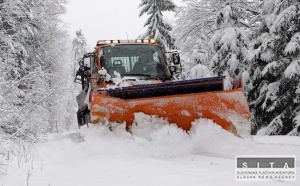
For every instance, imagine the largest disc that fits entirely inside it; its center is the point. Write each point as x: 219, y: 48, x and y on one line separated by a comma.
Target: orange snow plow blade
x: 228, y: 108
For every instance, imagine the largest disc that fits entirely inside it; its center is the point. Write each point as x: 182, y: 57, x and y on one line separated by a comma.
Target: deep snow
x: 154, y: 154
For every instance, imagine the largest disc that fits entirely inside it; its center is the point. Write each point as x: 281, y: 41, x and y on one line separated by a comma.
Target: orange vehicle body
x: 178, y: 102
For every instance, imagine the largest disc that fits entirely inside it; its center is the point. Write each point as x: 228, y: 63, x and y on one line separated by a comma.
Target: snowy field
x: 154, y: 154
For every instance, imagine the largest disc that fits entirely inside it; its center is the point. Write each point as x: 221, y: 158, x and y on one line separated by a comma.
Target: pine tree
x: 158, y: 27
x: 229, y: 41
x: 196, y: 25
x: 274, y: 57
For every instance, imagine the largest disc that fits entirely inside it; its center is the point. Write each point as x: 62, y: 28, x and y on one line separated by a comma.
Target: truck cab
x: 117, y: 63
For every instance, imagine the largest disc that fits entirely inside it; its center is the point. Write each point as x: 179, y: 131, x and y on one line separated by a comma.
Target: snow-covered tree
x: 79, y: 48
x: 194, y: 28
x: 229, y: 41
x: 274, y: 84
x: 158, y: 27
x: 15, y: 29
x: 79, y: 45
x: 196, y: 25
x: 14, y: 24
x: 33, y: 66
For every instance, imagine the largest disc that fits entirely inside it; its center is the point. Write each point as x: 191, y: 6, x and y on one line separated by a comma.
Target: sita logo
x: 259, y: 168
x: 271, y: 163
x: 267, y: 162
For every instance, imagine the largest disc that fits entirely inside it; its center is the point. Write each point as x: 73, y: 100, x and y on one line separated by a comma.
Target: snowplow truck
x: 123, y: 77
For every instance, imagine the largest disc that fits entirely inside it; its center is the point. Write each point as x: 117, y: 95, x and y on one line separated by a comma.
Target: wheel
x: 83, y: 116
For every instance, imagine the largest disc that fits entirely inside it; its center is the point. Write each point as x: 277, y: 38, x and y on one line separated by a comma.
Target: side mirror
x: 87, y: 62
x: 176, y: 58
x: 80, y: 61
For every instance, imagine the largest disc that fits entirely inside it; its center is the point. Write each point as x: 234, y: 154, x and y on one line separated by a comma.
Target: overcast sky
x: 106, y: 19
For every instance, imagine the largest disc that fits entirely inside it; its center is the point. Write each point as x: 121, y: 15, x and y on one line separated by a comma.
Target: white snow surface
x: 155, y: 153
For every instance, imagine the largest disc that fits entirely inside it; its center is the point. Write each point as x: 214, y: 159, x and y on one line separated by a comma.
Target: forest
x: 258, y: 40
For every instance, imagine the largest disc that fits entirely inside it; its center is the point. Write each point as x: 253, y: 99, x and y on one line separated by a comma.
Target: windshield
x: 135, y: 60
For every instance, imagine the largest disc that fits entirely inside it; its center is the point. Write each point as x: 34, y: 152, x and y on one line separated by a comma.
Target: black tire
x: 83, y: 116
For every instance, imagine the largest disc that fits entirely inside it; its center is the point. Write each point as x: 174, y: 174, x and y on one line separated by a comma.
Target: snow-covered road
x: 154, y: 154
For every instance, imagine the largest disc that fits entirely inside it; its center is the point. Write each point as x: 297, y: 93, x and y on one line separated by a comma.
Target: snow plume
x: 168, y: 139
x: 146, y: 126
x: 208, y: 137
x: 150, y: 136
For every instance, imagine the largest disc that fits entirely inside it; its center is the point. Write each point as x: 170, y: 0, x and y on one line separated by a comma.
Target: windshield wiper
x: 135, y: 74
x: 148, y: 76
